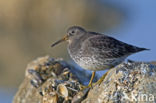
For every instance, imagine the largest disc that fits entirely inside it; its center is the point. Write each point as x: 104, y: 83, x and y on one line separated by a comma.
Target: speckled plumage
x: 95, y: 51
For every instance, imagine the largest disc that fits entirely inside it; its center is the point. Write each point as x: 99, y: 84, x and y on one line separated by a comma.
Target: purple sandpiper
x: 95, y: 51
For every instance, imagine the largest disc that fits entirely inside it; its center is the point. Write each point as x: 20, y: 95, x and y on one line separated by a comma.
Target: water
x: 7, y: 94
x: 139, y: 28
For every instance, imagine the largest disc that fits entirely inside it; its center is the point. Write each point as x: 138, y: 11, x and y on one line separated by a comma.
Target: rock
x: 50, y: 80
x: 127, y: 83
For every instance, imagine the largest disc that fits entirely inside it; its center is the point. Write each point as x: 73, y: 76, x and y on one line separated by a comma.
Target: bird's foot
x: 91, y: 85
x: 82, y: 87
x: 100, y: 80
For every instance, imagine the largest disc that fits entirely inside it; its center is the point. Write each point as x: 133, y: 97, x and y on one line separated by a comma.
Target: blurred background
x: 29, y: 27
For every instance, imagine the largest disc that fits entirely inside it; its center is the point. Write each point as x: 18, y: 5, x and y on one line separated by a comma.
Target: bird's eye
x: 73, y: 32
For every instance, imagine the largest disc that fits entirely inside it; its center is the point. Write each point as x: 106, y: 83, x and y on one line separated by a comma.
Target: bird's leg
x: 101, y: 79
x: 91, y: 79
x: 90, y: 82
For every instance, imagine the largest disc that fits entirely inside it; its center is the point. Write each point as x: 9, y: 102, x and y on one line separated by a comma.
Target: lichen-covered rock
x: 50, y: 80
x: 127, y: 83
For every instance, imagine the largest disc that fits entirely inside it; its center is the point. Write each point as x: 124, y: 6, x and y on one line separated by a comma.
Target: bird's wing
x: 107, y: 47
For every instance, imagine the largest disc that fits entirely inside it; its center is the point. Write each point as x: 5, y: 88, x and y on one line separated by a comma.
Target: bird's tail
x: 141, y: 49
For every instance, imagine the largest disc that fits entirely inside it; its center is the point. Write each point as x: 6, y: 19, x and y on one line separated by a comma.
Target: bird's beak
x: 61, y: 40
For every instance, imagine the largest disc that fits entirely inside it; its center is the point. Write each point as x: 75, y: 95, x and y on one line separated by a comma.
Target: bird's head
x: 74, y: 32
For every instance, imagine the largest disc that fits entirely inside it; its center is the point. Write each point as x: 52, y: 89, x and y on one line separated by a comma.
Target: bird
x: 96, y: 51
